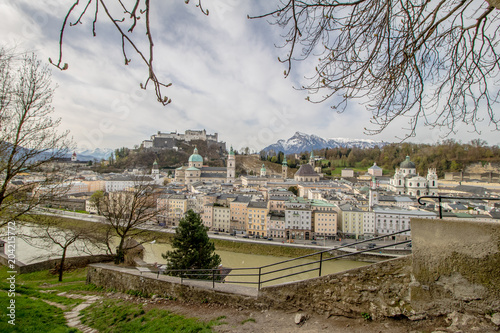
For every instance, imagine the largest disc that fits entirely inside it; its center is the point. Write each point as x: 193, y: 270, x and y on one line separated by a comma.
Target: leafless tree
x: 435, y: 62
x: 49, y: 232
x: 29, y: 139
x: 127, y: 211
x: 126, y: 16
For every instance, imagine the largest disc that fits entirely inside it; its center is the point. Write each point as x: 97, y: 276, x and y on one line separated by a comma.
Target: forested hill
x: 447, y: 156
x: 125, y: 158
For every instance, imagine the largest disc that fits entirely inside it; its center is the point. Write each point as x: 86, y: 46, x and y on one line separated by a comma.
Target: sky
x: 224, y: 70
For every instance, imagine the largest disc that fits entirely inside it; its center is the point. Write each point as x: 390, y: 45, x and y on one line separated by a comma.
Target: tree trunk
x: 120, y: 255
x: 61, y: 265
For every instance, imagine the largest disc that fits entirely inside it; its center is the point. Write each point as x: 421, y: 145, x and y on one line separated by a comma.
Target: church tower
x: 263, y: 171
x: 284, y: 168
x: 432, y: 182
x: 311, y: 159
x: 373, y: 193
x: 231, y: 166
x: 155, y: 172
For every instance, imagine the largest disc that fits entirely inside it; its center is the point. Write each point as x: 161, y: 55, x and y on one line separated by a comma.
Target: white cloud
x: 224, y: 70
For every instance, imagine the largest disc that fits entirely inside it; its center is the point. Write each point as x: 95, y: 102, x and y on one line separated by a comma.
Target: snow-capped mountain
x: 302, y: 142
x: 93, y: 154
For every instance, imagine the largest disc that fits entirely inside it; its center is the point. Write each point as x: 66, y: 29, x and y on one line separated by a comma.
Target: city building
x: 195, y: 171
x: 375, y: 170
x: 171, y: 140
x: 298, y: 219
x: 257, y: 218
x: 407, y: 181
x: 389, y: 220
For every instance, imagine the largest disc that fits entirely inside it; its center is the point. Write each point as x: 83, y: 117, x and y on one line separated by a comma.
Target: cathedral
x: 196, y: 172
x: 407, y: 181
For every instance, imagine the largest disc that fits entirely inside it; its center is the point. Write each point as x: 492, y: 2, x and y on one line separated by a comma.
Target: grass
x: 34, y: 285
x: 32, y: 315
x: 261, y: 249
x: 120, y: 316
x: 248, y: 320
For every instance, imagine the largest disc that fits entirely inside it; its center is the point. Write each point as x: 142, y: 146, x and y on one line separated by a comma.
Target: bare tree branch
x: 434, y: 62
x: 125, y: 26
x: 29, y: 140
x: 127, y: 211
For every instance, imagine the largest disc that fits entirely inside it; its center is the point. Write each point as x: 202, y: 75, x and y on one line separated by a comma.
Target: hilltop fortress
x: 169, y: 140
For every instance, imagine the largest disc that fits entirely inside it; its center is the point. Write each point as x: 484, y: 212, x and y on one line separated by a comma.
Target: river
x: 27, y: 253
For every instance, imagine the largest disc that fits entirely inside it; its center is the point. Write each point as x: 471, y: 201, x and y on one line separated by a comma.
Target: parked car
x: 216, y: 233
x: 245, y: 236
x: 269, y: 239
x: 313, y: 242
x: 371, y: 245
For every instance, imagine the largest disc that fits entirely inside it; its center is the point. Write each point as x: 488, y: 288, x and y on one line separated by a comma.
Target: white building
x: 298, y: 218
x: 390, y: 220
x: 121, y: 183
x: 407, y: 181
x: 369, y: 223
x: 375, y: 170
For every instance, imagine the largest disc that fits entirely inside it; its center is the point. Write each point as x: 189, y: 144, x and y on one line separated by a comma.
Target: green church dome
x: 195, y: 157
x: 407, y: 164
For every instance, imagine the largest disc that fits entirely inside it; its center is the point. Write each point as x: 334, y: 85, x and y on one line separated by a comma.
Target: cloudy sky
x: 224, y: 70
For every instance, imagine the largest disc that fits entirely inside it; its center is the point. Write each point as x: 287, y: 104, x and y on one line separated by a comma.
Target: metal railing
x: 272, y: 272
x: 439, y: 197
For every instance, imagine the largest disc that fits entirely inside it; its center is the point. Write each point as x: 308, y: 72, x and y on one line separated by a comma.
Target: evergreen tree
x: 192, y: 247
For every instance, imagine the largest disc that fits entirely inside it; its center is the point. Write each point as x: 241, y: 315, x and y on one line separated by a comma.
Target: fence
x: 273, y: 272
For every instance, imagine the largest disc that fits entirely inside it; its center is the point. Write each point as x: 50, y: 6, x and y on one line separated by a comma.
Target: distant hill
x: 93, y: 154
x: 247, y: 164
x: 302, y: 142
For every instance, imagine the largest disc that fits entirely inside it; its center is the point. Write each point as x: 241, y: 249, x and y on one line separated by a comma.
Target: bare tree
x: 127, y: 211
x: 126, y: 16
x: 435, y: 62
x: 49, y: 231
x: 29, y: 139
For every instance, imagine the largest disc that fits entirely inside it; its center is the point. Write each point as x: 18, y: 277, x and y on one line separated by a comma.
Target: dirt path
x: 73, y: 316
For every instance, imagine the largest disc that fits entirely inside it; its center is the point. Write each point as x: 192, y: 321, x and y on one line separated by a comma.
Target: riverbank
x: 230, y: 243
x: 167, y: 237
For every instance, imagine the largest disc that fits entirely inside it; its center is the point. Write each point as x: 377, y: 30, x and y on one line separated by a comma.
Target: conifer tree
x: 192, y: 246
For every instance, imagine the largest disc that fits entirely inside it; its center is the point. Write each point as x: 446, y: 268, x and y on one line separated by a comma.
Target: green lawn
x: 32, y: 314
x: 123, y: 317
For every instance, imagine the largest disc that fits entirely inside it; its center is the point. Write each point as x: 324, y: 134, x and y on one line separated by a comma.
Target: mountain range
x: 302, y: 142
x: 92, y: 154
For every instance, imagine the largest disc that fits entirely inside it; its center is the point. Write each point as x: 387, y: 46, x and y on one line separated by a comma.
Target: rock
x: 495, y: 318
x: 417, y: 316
x: 300, y: 318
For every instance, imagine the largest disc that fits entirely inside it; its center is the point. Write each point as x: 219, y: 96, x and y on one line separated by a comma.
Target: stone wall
x: 74, y: 262
x: 380, y: 290
x: 456, y: 266
x: 125, y: 280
